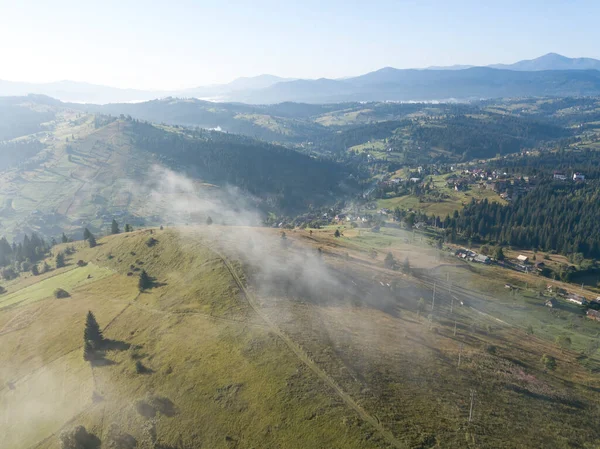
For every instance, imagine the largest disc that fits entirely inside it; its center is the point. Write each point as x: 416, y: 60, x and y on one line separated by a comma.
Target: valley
x: 302, y: 282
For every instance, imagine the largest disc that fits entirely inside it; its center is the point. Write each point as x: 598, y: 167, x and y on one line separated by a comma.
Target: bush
x: 2, y: 290
x: 151, y: 242
x: 81, y: 263
x: 549, y: 361
x: 78, y: 438
x: 60, y: 293
x: 117, y: 439
x: 8, y: 274
x: 490, y: 349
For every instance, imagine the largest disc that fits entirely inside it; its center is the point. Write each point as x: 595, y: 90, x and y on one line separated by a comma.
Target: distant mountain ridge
x: 551, y: 61
x: 549, y: 75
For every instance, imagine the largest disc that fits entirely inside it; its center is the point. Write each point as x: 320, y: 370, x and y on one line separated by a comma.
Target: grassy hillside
x: 246, y: 341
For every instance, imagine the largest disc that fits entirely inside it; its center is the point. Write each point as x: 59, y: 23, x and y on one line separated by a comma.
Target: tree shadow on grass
x: 115, y: 345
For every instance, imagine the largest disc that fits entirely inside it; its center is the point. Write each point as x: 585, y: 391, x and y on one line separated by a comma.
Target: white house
x: 578, y: 177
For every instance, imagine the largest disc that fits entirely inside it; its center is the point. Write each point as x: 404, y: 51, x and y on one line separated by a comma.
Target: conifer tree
x: 92, y: 241
x: 92, y: 331
x: 114, y: 227
x: 145, y: 281
x: 86, y: 234
x: 88, y: 351
x: 60, y: 260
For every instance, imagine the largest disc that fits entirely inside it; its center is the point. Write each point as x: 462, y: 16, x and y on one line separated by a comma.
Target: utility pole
x: 455, y: 328
x: 471, y: 408
x: 459, y: 354
x: 433, y: 300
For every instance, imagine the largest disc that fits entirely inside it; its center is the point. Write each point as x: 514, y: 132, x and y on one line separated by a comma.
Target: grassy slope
x: 227, y: 375
x: 233, y: 383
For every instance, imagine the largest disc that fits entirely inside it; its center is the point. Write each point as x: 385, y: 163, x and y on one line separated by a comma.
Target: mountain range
x: 551, y: 74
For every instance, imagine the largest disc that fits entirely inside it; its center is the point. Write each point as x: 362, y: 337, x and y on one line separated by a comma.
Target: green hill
x: 245, y: 341
x: 84, y: 170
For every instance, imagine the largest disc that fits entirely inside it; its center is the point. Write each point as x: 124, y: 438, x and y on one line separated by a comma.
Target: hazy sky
x: 176, y: 43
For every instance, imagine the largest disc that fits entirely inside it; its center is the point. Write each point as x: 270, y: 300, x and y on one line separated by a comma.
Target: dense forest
x: 559, y: 216
x: 19, y: 120
x: 544, y: 164
x: 14, y: 152
x: 295, y: 179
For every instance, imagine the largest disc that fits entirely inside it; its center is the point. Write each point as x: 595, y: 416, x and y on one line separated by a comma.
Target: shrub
x: 8, y: 274
x: 549, y: 361
x: 490, y: 349
x: 60, y: 293
x: 81, y: 263
x: 78, y: 438
x: 2, y: 290
x: 151, y: 242
x: 117, y: 439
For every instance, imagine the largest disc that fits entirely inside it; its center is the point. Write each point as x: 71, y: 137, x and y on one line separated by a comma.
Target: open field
x: 251, y: 342
x: 453, y: 200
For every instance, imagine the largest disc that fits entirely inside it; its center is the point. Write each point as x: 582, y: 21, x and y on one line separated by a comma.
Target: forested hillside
x: 554, y: 216
x: 485, y: 137
x: 295, y: 179
x: 19, y: 119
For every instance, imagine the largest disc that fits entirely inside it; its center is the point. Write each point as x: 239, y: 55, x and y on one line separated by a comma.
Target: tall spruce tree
x: 60, y: 260
x: 92, y: 331
x: 145, y: 282
x: 86, y: 234
x: 88, y: 350
x: 114, y: 227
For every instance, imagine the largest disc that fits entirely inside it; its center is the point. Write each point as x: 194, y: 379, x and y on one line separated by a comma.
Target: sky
x: 183, y: 43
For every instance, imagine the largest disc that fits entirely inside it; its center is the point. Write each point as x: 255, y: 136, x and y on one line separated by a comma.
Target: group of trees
x: 89, y: 237
x: 22, y: 257
x: 564, y: 217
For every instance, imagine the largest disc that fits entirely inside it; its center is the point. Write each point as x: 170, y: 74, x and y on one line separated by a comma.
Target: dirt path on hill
x: 297, y: 350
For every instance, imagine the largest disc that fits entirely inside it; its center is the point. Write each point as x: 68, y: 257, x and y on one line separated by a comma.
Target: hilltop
x: 247, y: 339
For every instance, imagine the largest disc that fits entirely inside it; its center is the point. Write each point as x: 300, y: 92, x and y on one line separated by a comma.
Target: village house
x: 576, y: 299
x: 550, y: 303
x: 523, y: 259
x: 578, y: 177
x: 560, y: 176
